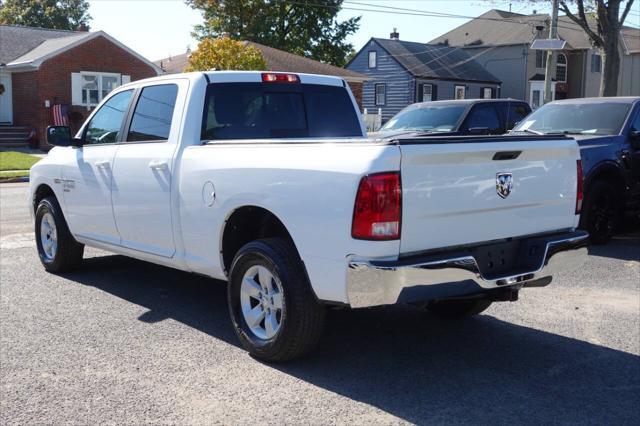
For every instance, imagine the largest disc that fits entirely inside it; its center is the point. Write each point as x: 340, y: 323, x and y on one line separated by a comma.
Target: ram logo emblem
x: 504, y: 184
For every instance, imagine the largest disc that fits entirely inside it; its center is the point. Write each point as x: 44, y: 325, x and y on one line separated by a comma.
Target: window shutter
x: 76, y: 88
x: 434, y: 92
x: 126, y: 79
x: 420, y: 92
x: 482, y: 93
x: 493, y: 93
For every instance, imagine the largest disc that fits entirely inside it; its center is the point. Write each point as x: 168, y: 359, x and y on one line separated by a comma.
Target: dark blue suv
x: 608, y: 133
x: 456, y: 118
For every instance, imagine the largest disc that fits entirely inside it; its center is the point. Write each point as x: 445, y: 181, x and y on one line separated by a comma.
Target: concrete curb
x: 14, y: 180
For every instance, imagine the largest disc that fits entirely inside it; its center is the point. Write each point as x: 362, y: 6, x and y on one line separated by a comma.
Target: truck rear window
x: 278, y: 110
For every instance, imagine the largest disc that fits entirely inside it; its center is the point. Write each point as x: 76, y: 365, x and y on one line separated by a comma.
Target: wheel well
x: 609, y: 175
x: 247, y: 224
x: 42, y: 192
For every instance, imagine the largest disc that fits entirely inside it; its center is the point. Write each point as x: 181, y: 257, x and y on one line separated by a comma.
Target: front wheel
x: 58, y: 250
x: 601, y: 212
x: 273, y: 309
x: 458, y: 308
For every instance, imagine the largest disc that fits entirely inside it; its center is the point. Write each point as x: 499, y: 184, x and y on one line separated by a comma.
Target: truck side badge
x: 504, y: 184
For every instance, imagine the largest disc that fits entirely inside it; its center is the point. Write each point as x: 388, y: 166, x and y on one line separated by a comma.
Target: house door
x: 6, y: 105
x: 536, y: 94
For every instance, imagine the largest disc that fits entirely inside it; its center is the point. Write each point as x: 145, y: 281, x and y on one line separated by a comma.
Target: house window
x: 427, y: 92
x: 561, y: 68
x: 596, y: 63
x: 381, y: 94
x: 541, y: 59
x: 459, y: 91
x: 373, y: 59
x: 90, y: 91
x: 109, y: 82
x: 535, y: 100
x: 89, y: 88
x: 486, y: 93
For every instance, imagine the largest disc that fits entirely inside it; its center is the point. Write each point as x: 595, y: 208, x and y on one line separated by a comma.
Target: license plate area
x: 509, y: 258
x: 497, y: 259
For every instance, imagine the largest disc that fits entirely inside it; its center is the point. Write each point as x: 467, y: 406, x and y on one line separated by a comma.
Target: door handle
x: 103, y: 164
x: 158, y: 165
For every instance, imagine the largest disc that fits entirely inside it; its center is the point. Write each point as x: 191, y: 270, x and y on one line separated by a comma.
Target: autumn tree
x: 225, y: 54
x: 53, y: 14
x: 309, y: 29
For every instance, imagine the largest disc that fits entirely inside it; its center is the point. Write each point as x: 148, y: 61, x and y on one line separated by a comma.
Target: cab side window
x: 153, y: 114
x: 515, y: 114
x: 636, y: 123
x: 105, y: 125
x: 484, y: 116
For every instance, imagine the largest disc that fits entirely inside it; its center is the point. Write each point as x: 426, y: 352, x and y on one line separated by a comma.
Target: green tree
x: 307, y: 29
x: 225, y: 54
x: 54, y: 14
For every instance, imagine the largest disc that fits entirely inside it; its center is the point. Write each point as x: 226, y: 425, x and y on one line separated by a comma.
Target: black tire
x: 68, y: 254
x: 301, y: 320
x: 600, y: 212
x: 460, y: 308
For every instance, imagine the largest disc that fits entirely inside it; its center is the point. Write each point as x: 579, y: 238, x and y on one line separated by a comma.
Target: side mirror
x: 634, y: 135
x: 478, y: 131
x: 61, y: 136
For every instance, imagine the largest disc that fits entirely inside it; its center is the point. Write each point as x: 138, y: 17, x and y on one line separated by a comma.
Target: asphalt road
x: 122, y: 341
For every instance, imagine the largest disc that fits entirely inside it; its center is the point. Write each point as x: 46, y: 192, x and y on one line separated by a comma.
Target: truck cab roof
x: 244, y: 77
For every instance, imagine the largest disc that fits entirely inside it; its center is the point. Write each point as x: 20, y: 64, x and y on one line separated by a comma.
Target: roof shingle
x: 499, y: 28
x: 277, y: 60
x: 436, y: 61
x: 17, y: 41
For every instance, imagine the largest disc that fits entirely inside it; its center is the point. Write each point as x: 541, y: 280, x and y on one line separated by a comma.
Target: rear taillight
x: 378, y: 207
x: 580, y: 187
x: 278, y: 77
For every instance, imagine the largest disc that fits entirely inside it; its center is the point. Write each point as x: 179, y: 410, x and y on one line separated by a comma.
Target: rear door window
x: 263, y: 111
x: 153, y: 113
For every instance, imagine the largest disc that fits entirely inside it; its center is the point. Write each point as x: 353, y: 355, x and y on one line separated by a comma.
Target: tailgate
x: 451, y: 197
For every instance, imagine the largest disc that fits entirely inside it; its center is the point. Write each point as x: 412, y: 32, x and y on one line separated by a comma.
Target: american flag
x: 60, y: 115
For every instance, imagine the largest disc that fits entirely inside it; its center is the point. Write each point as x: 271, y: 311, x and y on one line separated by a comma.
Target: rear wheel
x: 274, y: 312
x: 601, y: 212
x: 58, y: 250
x: 458, y: 308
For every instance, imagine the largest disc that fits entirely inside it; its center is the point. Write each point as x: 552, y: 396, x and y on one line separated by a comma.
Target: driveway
x: 123, y: 341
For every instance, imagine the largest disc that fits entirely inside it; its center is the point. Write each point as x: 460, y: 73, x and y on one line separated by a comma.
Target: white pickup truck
x: 267, y: 181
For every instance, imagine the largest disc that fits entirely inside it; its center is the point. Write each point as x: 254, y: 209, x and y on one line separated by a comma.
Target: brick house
x: 41, y: 68
x: 279, y: 60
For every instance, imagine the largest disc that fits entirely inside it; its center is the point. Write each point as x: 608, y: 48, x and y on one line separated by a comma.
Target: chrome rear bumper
x: 456, y: 273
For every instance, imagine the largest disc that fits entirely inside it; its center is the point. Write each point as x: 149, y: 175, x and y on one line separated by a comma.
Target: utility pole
x: 553, y: 34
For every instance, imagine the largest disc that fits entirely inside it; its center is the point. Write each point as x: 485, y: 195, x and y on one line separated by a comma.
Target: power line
x: 423, y: 13
x: 417, y: 12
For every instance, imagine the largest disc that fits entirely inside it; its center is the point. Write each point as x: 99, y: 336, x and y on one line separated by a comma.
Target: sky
x: 161, y: 28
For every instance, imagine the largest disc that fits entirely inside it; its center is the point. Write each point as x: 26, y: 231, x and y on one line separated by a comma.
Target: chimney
x: 394, y: 35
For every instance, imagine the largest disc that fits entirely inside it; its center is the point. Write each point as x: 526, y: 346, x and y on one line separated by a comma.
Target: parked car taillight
x: 378, y: 207
x: 580, y: 187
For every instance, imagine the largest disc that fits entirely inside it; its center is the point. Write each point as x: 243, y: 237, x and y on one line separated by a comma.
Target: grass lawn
x: 11, y: 160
